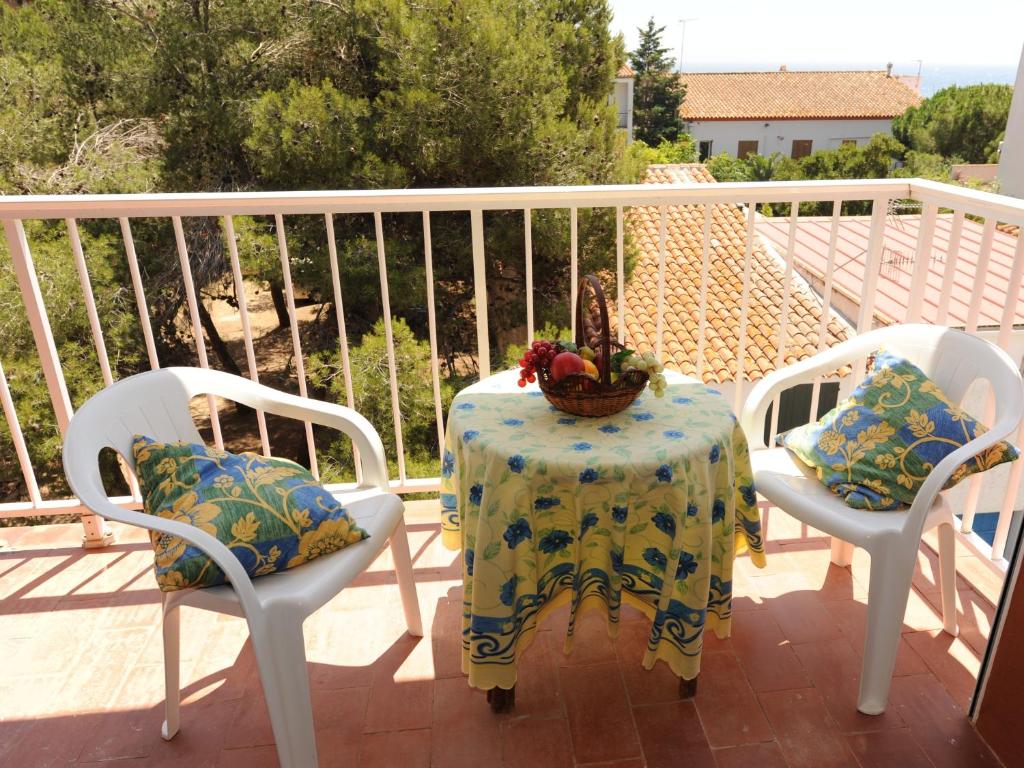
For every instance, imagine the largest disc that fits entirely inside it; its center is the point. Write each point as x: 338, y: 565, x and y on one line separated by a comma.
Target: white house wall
x: 778, y: 135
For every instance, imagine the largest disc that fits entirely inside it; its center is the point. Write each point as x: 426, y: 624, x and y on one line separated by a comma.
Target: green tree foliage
x: 372, y: 397
x: 216, y: 95
x: 725, y: 167
x: 657, y: 91
x: 682, y: 150
x: 959, y: 122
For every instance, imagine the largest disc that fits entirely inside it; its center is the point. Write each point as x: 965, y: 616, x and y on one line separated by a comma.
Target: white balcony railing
x: 989, y: 208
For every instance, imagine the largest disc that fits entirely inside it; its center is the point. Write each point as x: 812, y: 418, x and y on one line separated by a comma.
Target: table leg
x: 687, y: 688
x: 501, y: 700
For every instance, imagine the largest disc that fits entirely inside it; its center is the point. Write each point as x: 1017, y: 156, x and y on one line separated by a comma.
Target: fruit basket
x: 593, y: 376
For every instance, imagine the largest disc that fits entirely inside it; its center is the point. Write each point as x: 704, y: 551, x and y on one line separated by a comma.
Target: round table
x: 647, y: 506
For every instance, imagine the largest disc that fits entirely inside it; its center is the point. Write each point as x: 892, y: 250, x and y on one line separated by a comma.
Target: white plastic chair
x: 156, y: 404
x: 953, y: 360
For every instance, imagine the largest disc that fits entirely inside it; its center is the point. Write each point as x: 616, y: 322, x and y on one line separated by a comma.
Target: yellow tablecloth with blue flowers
x: 648, y: 506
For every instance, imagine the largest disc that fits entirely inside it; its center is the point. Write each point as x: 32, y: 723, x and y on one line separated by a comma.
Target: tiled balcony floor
x: 81, y: 672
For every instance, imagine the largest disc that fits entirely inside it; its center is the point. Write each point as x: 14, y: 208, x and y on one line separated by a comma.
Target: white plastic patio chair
x: 156, y: 404
x: 953, y: 360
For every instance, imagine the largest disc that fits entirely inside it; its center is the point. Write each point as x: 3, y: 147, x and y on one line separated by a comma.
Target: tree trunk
x: 280, y: 305
x: 219, y: 347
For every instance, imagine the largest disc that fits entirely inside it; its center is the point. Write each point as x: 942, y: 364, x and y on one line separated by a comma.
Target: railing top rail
x: 1003, y: 207
x: 406, y: 200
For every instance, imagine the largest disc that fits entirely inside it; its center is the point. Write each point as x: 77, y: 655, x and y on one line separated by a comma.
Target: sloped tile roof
x: 684, y: 246
x: 789, y: 95
x: 626, y: 71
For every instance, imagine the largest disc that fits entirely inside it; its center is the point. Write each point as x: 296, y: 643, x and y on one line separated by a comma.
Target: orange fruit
x: 590, y: 369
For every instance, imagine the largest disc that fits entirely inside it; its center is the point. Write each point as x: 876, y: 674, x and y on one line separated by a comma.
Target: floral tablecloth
x: 648, y: 506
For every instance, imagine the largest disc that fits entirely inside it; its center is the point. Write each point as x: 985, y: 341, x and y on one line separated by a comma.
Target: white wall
x: 622, y: 98
x: 1011, y: 156
x: 778, y: 135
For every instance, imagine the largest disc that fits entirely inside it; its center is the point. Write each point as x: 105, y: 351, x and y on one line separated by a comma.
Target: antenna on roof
x: 783, y: 68
x: 888, y: 69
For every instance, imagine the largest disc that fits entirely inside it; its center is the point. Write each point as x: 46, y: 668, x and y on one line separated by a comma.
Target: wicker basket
x: 578, y: 393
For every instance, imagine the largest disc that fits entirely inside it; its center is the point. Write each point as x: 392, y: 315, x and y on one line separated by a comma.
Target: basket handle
x: 606, y: 345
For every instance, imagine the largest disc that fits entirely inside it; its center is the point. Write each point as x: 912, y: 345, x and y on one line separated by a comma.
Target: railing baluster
x: 197, y: 326
x: 872, y: 268
x: 483, y: 342
x: 435, y: 373
x: 396, y: 413
x: 243, y: 316
x: 952, y: 252
x: 826, y: 300
x: 787, y: 294
x: 90, y: 301
x: 974, y: 311
x: 140, y: 294
x: 96, y: 534
x: 620, y: 275
x: 1003, y: 340
x: 922, y: 264
x: 659, y: 339
x: 293, y: 322
x: 574, y: 269
x: 741, y: 348
x: 18, y: 438
x: 97, y: 333
x: 705, y: 270
x: 346, y: 368
x: 528, y: 248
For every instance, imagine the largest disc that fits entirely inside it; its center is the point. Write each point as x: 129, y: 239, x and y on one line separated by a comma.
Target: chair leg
x: 891, y: 574
x: 947, y: 577
x: 281, y: 657
x: 842, y: 553
x: 172, y: 667
x: 406, y: 582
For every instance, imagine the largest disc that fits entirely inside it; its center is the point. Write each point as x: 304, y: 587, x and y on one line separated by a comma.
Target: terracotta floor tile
x: 974, y: 617
x: 835, y: 670
x: 590, y: 642
x: 446, y: 638
x: 951, y: 660
x: 938, y: 725
x: 129, y: 732
x: 645, y: 686
x: 803, y: 619
x: 807, y: 735
x: 635, y: 762
x: 537, y: 691
x: 671, y: 735
x: 851, y: 617
x: 599, y: 716
x: 408, y: 749
x: 764, y: 755
x: 979, y: 576
x: 399, y: 706
x: 885, y: 749
x: 765, y: 653
x: 529, y: 743
x: 248, y: 757
x: 727, y: 705
x: 465, y: 732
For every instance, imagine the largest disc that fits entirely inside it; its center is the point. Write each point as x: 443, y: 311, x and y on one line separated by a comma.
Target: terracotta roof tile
x: 625, y: 71
x: 725, y: 289
x: 806, y: 95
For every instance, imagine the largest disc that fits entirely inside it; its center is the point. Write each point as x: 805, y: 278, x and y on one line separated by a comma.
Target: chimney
x: 888, y: 69
x: 783, y: 68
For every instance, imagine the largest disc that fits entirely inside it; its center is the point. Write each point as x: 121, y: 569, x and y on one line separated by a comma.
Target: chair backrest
x: 154, y: 403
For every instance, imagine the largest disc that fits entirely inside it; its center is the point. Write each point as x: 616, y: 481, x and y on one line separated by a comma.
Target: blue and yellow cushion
x: 876, y: 448
x: 269, y: 512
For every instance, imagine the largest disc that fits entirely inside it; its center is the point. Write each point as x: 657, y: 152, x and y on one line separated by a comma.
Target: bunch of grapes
x: 539, y: 355
x: 649, y: 364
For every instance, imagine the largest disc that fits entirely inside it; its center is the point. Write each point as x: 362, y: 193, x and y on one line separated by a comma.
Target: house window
x: 704, y: 150
x: 849, y: 142
x: 801, y: 148
x: 746, y: 148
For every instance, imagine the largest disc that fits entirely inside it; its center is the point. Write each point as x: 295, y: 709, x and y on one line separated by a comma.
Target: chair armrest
x: 339, y: 417
x: 942, y: 471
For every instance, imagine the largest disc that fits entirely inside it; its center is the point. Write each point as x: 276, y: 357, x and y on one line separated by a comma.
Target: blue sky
x: 794, y: 32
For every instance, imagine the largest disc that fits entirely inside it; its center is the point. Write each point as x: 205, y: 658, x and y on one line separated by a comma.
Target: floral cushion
x: 876, y: 448
x: 271, y: 513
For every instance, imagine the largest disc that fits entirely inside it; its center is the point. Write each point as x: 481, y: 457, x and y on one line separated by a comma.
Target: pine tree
x: 657, y: 91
